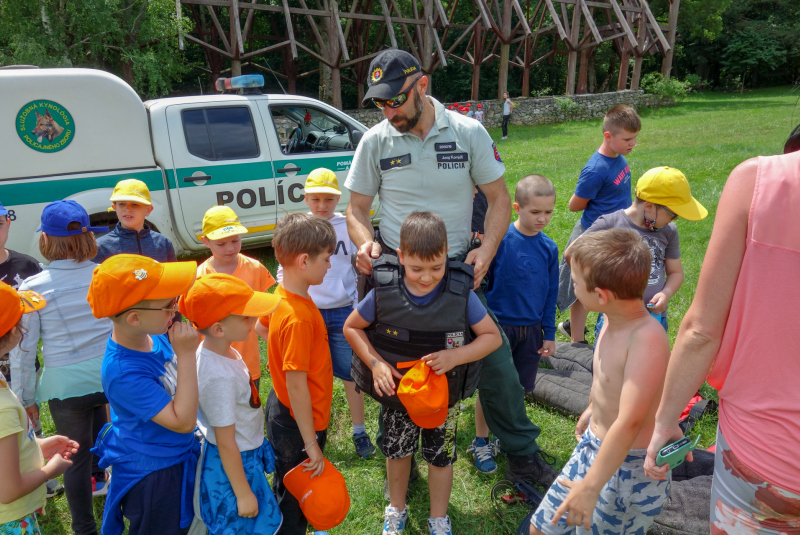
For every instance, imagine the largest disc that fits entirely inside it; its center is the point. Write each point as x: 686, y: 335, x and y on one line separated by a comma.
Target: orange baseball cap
x: 216, y: 296
x: 424, y: 394
x: 324, y: 500
x: 14, y: 304
x: 126, y: 279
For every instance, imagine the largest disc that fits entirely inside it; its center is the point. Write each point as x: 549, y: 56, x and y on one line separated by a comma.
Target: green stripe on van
x: 45, y: 190
x: 227, y: 173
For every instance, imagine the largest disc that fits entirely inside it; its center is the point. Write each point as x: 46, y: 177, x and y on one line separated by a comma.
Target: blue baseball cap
x: 3, y: 211
x: 57, y: 216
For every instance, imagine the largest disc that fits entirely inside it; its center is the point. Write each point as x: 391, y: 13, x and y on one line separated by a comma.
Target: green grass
x: 705, y: 137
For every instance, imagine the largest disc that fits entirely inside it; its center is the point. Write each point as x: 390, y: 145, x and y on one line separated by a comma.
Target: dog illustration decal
x: 46, y: 127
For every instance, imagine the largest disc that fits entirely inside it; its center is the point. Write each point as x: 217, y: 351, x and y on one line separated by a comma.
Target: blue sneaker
x: 364, y: 447
x: 481, y: 450
x: 440, y: 526
x: 394, y: 520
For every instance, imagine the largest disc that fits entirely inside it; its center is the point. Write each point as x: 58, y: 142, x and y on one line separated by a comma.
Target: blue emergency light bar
x: 240, y: 82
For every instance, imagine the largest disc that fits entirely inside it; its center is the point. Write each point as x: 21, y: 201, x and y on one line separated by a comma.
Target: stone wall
x: 542, y: 110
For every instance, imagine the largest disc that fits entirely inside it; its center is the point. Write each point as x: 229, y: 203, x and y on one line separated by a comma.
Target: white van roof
x: 109, y: 121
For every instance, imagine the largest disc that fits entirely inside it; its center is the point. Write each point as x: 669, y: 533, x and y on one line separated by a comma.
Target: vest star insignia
x: 395, y: 161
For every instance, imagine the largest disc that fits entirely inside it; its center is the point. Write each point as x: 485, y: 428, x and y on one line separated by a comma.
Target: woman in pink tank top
x: 741, y: 333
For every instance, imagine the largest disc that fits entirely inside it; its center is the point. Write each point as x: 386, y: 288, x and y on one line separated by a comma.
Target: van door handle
x: 195, y: 178
x: 289, y: 170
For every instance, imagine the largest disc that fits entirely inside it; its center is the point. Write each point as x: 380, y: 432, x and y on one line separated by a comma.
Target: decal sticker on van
x: 45, y: 126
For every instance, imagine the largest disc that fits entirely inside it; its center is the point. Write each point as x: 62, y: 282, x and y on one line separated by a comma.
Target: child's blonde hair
x: 616, y: 259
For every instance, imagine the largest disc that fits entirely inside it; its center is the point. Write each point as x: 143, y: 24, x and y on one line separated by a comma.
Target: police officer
x: 423, y: 157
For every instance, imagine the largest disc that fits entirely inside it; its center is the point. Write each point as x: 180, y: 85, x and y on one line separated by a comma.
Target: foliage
x: 673, y: 88
x: 749, y: 50
x: 136, y: 39
x: 695, y: 83
x: 567, y: 106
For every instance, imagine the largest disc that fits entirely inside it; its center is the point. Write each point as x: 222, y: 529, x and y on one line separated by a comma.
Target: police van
x: 74, y: 133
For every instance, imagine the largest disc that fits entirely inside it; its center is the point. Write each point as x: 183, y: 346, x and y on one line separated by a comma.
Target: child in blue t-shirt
x: 523, y: 279
x: 150, y: 380
x: 604, y: 186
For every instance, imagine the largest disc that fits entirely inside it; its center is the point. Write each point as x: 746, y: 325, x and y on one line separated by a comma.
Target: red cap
x: 324, y: 500
x: 480, y: 105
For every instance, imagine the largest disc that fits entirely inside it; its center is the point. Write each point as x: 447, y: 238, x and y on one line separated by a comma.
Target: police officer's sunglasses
x: 397, y: 101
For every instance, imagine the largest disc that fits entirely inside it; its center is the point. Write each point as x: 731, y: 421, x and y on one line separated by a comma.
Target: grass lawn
x: 705, y: 137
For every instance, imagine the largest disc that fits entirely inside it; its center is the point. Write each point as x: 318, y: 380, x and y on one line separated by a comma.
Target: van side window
x: 220, y: 133
x: 305, y: 130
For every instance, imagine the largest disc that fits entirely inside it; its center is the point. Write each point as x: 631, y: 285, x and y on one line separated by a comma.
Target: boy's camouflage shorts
x: 401, y: 438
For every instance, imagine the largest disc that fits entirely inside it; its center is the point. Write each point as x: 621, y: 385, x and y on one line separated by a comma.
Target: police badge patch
x: 496, y: 154
x: 454, y: 339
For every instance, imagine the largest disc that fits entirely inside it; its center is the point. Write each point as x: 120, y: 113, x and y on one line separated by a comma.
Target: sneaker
x: 364, y: 447
x: 565, y: 329
x: 504, y: 137
x: 394, y: 520
x: 54, y: 488
x: 99, y: 487
x: 411, y: 480
x: 440, y: 526
x: 481, y: 450
x: 531, y: 468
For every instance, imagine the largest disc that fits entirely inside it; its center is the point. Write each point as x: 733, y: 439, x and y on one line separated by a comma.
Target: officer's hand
x: 481, y: 258
x: 441, y: 361
x: 366, y: 253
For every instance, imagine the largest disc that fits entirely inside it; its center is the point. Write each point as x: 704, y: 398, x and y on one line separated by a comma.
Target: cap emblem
x: 377, y: 74
x: 140, y: 274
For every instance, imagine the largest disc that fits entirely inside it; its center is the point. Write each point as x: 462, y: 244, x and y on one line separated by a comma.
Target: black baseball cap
x: 388, y: 73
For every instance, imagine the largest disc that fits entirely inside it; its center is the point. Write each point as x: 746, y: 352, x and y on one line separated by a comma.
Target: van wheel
x: 109, y: 219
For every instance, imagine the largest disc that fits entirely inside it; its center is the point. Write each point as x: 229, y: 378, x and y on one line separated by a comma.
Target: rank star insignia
x: 395, y: 161
x: 388, y: 331
x: 395, y: 333
x: 140, y: 274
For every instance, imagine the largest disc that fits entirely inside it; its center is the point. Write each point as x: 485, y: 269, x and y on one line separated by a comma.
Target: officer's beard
x: 404, y: 124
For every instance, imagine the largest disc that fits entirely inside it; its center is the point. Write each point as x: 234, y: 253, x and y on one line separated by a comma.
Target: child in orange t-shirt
x: 222, y: 235
x: 299, y: 406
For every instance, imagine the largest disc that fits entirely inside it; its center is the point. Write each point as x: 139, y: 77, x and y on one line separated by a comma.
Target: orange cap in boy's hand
x: 14, y: 304
x: 216, y: 296
x: 324, y: 500
x: 424, y: 394
x: 126, y: 279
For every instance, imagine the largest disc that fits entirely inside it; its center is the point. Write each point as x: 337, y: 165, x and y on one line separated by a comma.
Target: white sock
x: 359, y: 429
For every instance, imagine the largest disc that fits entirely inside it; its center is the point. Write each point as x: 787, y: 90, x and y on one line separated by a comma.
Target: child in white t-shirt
x: 337, y: 295
x: 235, y: 495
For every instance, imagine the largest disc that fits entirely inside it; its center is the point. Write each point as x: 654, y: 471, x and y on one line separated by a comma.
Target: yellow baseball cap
x: 322, y: 181
x: 221, y: 222
x: 668, y: 187
x: 131, y: 190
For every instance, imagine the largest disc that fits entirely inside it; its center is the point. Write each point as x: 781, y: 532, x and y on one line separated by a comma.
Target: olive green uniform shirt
x: 437, y: 175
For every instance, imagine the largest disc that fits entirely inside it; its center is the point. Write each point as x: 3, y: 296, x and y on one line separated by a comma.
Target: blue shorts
x: 628, y: 503
x: 341, y: 352
x: 662, y: 319
x: 525, y: 342
x: 218, y: 506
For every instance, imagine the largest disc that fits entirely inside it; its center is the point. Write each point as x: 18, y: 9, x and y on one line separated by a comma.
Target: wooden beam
x: 623, y: 21
x: 337, y: 21
x: 666, y: 63
x: 315, y: 55
x: 292, y: 43
x: 442, y: 15
x: 438, y: 44
x: 209, y: 46
x: 461, y: 37
x: 360, y: 59
x: 388, y: 20
x: 236, y: 25
x: 522, y: 18
x: 665, y: 46
x: 556, y: 20
x: 590, y: 21
x: 487, y: 20
x: 178, y: 15
x: 265, y: 69
x: 264, y: 50
x: 534, y: 62
x: 323, y: 46
x: 248, y: 24
x: 219, y: 29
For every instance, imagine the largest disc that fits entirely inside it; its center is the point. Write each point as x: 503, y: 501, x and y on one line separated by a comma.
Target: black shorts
x: 401, y: 438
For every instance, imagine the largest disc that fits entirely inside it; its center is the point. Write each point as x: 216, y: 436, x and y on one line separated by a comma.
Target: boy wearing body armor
x: 431, y: 314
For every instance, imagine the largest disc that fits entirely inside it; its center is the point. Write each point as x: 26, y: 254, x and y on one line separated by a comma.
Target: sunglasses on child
x: 397, y: 101
x: 172, y: 308
x: 670, y: 212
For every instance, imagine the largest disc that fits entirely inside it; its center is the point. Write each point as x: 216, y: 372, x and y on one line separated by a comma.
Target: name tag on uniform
x: 455, y: 157
x: 395, y: 161
x: 441, y: 147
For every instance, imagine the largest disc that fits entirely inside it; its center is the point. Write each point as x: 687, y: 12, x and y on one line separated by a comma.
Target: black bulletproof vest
x: 404, y: 331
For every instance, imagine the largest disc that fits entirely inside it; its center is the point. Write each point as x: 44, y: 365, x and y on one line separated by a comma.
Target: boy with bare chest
x: 603, y: 487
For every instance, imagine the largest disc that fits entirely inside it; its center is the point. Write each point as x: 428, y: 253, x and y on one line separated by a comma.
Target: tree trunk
x: 591, y: 72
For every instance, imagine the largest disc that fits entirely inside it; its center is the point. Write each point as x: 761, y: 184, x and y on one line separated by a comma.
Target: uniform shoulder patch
x: 395, y: 161
x: 496, y: 154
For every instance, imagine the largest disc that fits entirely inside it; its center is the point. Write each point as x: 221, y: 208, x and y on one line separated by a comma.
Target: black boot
x: 531, y: 468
